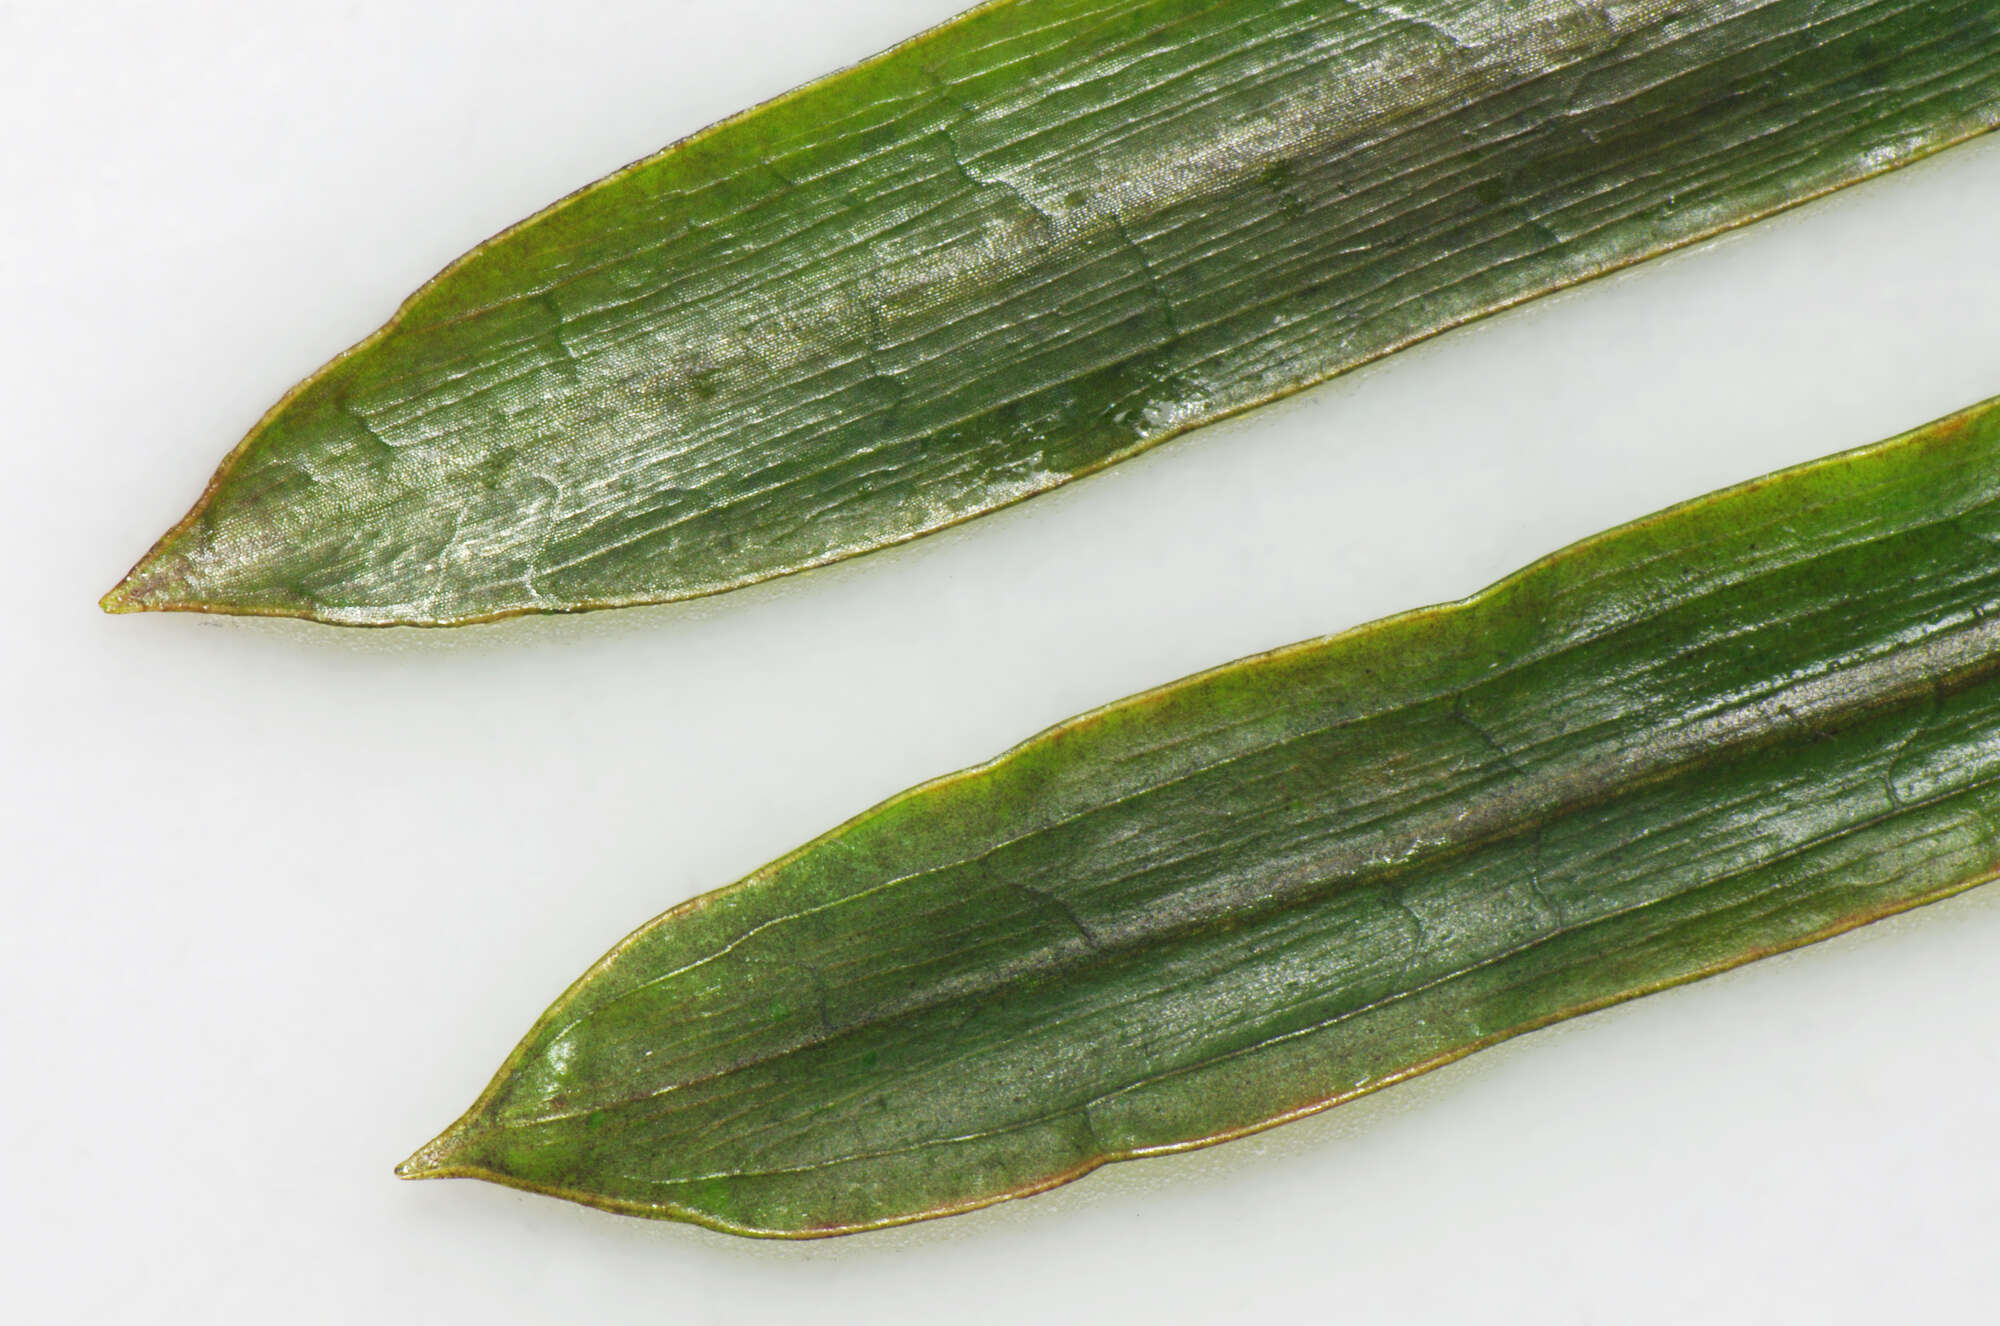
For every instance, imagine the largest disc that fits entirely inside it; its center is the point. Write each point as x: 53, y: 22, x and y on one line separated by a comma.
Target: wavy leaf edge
x: 440, y: 1157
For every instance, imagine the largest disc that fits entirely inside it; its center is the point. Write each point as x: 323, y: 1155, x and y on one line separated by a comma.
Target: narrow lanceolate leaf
x: 1018, y: 248
x: 1742, y: 725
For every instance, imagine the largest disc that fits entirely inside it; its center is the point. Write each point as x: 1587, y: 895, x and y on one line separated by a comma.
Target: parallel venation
x: 1735, y: 727
x: 1012, y: 251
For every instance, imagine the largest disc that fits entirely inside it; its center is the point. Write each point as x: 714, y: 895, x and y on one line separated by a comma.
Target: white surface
x: 280, y: 897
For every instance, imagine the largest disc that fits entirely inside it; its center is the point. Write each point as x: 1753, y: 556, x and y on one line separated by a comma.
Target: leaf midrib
x: 1808, y: 709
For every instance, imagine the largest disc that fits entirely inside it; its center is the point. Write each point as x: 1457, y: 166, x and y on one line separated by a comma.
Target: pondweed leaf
x: 1024, y: 245
x: 1745, y: 724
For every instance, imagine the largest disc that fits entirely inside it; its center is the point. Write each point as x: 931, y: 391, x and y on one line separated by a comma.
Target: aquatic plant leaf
x: 1741, y: 725
x: 1030, y: 242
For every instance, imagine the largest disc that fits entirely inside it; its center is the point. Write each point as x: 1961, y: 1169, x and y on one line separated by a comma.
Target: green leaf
x: 1745, y: 724
x: 1016, y: 249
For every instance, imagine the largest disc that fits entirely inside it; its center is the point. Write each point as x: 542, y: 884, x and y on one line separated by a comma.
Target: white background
x: 279, y: 897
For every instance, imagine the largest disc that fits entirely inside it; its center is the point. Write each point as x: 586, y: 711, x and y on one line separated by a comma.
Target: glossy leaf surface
x: 1018, y: 248
x: 1741, y: 725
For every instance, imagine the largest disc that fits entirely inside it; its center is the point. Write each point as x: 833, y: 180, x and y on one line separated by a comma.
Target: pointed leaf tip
x: 437, y: 1158
x: 157, y: 583
x: 119, y: 599
x: 135, y: 593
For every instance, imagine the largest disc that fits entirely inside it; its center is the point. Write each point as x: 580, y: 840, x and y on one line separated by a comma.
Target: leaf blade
x: 1739, y: 726
x: 1009, y: 253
